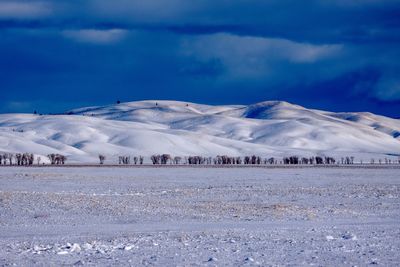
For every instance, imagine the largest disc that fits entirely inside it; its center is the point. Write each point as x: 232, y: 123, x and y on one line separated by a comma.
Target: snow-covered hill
x: 270, y: 128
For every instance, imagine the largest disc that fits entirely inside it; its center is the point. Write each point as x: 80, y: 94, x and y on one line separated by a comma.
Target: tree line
x: 27, y: 159
x: 163, y: 159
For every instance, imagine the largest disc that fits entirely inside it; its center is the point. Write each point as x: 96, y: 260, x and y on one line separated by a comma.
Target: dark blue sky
x: 339, y: 55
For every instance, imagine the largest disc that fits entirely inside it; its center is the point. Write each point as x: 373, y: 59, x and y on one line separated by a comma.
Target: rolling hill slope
x: 270, y: 128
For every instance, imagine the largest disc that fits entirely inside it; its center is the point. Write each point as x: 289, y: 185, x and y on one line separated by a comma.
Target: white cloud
x: 251, y: 57
x: 21, y: 10
x: 95, y: 36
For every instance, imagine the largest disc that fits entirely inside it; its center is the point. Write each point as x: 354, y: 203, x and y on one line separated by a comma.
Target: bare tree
x: 61, y: 159
x: 124, y: 160
x: 155, y: 159
x: 165, y: 158
x: 57, y: 159
x: 5, y: 157
x: 238, y: 160
x: 10, y: 158
x: 177, y: 160
x: 52, y: 158
x: 319, y: 160
x: 102, y: 158
x: 18, y: 158
x: 329, y: 160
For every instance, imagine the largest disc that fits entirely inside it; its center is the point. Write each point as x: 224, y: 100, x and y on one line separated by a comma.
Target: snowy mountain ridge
x: 270, y: 128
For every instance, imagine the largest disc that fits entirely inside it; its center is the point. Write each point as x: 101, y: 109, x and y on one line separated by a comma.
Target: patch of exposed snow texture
x: 270, y: 128
x: 199, y: 216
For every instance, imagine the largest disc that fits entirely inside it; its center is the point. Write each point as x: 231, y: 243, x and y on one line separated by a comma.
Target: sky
x: 337, y: 55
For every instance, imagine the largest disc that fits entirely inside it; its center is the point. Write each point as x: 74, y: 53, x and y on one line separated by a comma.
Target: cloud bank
x: 339, y: 55
x: 24, y: 10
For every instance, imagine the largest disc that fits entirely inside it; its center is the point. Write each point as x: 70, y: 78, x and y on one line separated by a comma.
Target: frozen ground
x: 199, y: 216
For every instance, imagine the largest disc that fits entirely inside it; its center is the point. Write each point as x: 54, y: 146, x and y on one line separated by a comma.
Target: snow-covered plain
x: 199, y: 216
x: 270, y: 128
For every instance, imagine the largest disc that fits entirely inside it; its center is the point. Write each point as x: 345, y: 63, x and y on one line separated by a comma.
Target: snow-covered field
x: 199, y: 216
x: 267, y: 129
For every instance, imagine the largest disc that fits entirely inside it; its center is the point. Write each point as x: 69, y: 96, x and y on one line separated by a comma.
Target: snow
x: 199, y: 216
x: 271, y: 128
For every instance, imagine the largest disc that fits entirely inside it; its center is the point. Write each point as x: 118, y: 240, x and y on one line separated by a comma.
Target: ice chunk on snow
x: 75, y: 248
x: 329, y: 237
x: 127, y: 248
x: 349, y: 236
